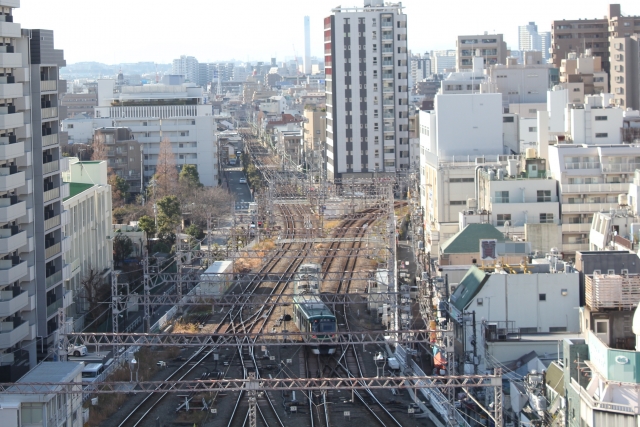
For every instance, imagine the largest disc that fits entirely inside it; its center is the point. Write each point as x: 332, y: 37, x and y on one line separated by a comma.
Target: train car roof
x: 312, y: 305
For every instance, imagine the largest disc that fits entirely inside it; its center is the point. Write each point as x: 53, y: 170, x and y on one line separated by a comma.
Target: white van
x: 92, y: 371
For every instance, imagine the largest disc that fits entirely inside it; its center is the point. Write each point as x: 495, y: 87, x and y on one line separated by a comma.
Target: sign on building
x: 488, y: 250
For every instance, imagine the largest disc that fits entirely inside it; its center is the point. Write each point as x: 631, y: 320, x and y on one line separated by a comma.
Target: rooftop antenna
x: 157, y: 77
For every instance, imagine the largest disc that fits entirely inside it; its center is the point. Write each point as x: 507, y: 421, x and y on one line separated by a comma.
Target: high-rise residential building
x: 530, y: 39
x: 419, y: 69
x: 32, y: 270
x: 625, y: 71
x: 367, y: 90
x: 307, y: 45
x: 188, y: 67
x: 489, y: 46
x: 578, y: 35
x: 443, y: 60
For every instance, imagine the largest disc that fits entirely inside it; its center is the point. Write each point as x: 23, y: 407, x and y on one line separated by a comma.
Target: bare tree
x: 166, y: 172
x: 96, y: 292
x: 99, y: 148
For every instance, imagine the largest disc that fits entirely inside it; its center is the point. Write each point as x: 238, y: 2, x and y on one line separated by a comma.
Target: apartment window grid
x: 501, y: 219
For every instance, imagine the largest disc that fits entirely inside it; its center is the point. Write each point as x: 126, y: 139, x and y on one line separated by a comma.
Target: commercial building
x: 157, y: 112
x: 366, y: 66
x: 491, y: 47
x: 519, y: 84
x: 90, y: 249
x: 79, y: 103
x: 578, y: 35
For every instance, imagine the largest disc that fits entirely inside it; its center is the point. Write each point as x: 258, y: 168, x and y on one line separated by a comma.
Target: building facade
x: 491, y: 47
x: 625, y: 70
x: 366, y: 66
x: 157, y: 112
x: 124, y: 154
x: 530, y: 39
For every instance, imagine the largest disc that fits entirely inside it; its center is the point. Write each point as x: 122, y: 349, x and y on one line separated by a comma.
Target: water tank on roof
x: 622, y: 200
x: 531, y: 153
x: 472, y: 204
x: 512, y: 167
x: 501, y: 174
x: 492, y: 175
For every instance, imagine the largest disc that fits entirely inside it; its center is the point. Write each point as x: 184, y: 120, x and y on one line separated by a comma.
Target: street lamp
x: 133, y: 365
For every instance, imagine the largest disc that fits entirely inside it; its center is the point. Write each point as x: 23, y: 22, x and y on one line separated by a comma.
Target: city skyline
x: 106, y: 34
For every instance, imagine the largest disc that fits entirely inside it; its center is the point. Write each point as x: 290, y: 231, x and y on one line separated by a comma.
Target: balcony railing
x: 53, y: 308
x: 49, y: 113
x: 10, y: 148
x: 549, y: 199
x: 52, y: 194
x: 48, y: 85
x: 11, y: 239
x: 11, y: 208
x: 587, y: 207
x: 616, y: 188
x: 11, y: 271
x: 10, y: 337
x: 52, y: 222
x: 620, y: 167
x: 51, y: 167
x: 582, y: 165
x: 11, y: 179
x: 54, y: 278
x: 10, y: 304
x: 48, y: 140
x: 52, y: 250
x: 576, y: 228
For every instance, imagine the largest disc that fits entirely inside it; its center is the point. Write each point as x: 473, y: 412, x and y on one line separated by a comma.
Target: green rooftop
x: 76, y: 188
x: 468, y: 240
x: 468, y: 288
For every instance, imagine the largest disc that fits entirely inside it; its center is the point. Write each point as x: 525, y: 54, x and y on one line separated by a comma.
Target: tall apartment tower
x: 32, y: 270
x: 578, y: 35
x: 367, y: 90
x: 307, y: 45
x: 530, y: 39
x: 188, y: 67
x: 625, y: 71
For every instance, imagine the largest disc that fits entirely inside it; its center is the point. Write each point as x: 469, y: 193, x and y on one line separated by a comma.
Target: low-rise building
x: 90, y: 248
x: 583, y: 75
x: 49, y: 408
x: 124, y: 154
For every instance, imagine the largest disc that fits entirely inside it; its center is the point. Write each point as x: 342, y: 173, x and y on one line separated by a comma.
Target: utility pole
x: 115, y: 307
x: 179, y: 270
x: 147, y: 302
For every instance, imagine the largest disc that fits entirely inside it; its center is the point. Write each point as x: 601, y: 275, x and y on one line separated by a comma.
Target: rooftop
x: 467, y: 240
x: 76, y: 188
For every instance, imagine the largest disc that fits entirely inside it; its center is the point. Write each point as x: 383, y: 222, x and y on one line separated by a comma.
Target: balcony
x: 11, y: 60
x: 52, y: 251
x: 9, y: 29
x: 575, y: 247
x: 51, y: 194
x: 48, y: 85
x: 10, y: 178
x: 52, y: 222
x: 54, y: 279
x: 10, y: 3
x: 10, y: 272
x: 619, y: 167
x: 50, y: 167
x: 48, y: 140
x: 49, y: 113
x: 53, y: 308
x: 10, y: 148
x: 11, y: 209
x: 513, y: 200
x: 582, y: 165
x: 615, y: 188
x: 10, y: 120
x: 67, y: 299
x: 10, y: 303
x: 64, y: 191
x: 12, y: 239
x: 10, y: 335
x: 11, y: 90
x: 587, y: 207
x: 576, y: 228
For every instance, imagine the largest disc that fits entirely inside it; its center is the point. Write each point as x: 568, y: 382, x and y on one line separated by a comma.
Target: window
x: 458, y: 202
x: 502, y: 218
x: 602, y: 135
x: 544, y: 196
x: 461, y: 180
x: 144, y: 123
x: 576, y: 89
x: 532, y: 111
x: 546, y: 218
x: 70, y: 127
x: 528, y: 330
x: 31, y: 413
x: 602, y: 327
x: 601, y: 118
x: 533, y: 129
x: 501, y: 197
x: 507, y: 120
x: 479, y: 301
x: 542, y: 297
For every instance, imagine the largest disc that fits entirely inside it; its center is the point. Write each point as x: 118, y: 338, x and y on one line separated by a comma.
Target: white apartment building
x: 366, y: 66
x: 591, y: 178
x: 188, y: 67
x: 420, y: 68
x: 519, y: 84
x: 530, y: 39
x: 155, y: 112
x: 89, y: 231
x: 443, y: 60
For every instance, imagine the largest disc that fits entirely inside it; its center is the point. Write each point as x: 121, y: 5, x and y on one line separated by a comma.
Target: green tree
x: 148, y: 225
x: 190, y: 177
x: 119, y: 189
x: 169, y: 215
x: 194, y: 231
x: 122, y: 248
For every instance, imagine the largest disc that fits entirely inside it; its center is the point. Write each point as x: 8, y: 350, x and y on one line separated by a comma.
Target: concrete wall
x: 596, y: 126
x: 543, y: 236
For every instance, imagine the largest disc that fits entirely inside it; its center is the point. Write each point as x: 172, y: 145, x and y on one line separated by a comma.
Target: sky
x: 122, y: 31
